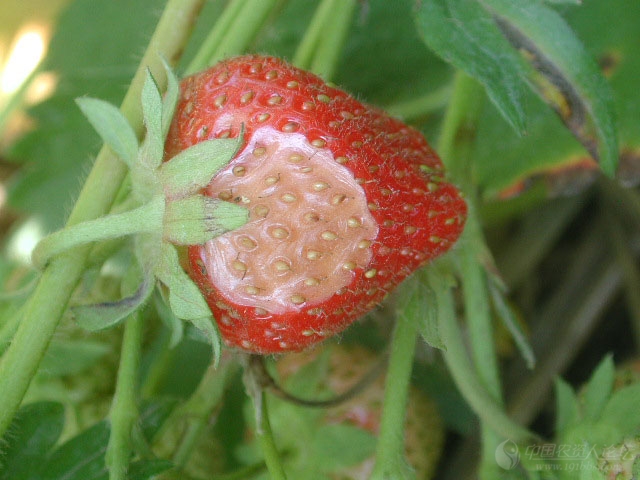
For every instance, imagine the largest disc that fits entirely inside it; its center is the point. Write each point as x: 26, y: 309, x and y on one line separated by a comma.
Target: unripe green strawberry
x: 424, y: 433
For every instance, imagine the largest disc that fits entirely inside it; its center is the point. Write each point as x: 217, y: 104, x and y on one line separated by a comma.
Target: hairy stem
x: 390, y: 458
x: 321, y: 46
x: 475, y: 393
x: 240, y: 23
x: 49, y: 300
x: 124, y: 410
x: 147, y: 218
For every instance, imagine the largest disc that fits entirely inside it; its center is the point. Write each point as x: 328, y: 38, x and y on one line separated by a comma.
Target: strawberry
x: 424, y: 432
x: 344, y: 203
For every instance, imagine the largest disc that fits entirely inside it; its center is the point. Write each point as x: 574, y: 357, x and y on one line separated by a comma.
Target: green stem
x: 124, y: 410
x: 147, y: 218
x: 329, y: 49
x: 390, y: 458
x: 303, y: 57
x: 271, y: 455
x: 49, y: 300
x: 222, y: 27
x: 464, y: 375
x: 322, y: 43
x: 420, y: 107
x: 241, y: 25
x: 198, y: 409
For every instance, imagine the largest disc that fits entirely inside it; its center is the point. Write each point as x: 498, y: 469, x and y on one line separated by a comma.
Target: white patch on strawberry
x: 309, y: 229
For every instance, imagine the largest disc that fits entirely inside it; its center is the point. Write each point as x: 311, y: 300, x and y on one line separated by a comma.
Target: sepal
x: 108, y: 314
x: 197, y: 219
x: 192, y: 169
x: 112, y: 126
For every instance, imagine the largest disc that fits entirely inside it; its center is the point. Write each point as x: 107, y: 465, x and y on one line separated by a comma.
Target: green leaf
x: 417, y: 303
x: 111, y: 125
x: 70, y: 357
x: 153, y: 414
x: 464, y: 34
x: 108, y: 314
x: 33, y: 431
x: 568, y: 78
x: 567, y: 407
x: 342, y: 445
x: 621, y: 416
x: 598, y: 389
x: 511, y: 323
x: 80, y: 458
x: 193, y: 168
x: 152, y: 114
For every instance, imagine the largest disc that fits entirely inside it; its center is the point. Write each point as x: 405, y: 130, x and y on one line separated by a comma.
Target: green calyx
x: 172, y: 210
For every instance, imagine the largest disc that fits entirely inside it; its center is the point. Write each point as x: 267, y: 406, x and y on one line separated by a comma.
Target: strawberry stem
x: 145, y: 219
x: 124, y: 410
x: 268, y: 445
x: 49, y: 300
x: 420, y: 107
x: 237, y: 28
x: 464, y: 375
x: 390, y: 459
x: 322, y: 43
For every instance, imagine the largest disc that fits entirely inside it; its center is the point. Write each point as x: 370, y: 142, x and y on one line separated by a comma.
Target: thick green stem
x: 147, y: 218
x: 390, y: 458
x: 271, y: 454
x: 49, y: 300
x: 124, y: 409
x: 321, y: 46
x: 222, y: 27
x: 464, y: 375
x: 303, y: 58
x: 241, y: 23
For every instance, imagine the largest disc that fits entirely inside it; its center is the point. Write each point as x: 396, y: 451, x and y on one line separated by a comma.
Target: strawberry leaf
x: 112, y: 127
x: 464, y: 34
x: 598, y: 389
x: 567, y: 408
x: 566, y: 76
x: 152, y: 113
x: 34, y: 430
x: 193, y: 168
x: 108, y: 314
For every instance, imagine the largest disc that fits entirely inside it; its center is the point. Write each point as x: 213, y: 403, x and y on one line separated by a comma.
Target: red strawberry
x: 344, y: 203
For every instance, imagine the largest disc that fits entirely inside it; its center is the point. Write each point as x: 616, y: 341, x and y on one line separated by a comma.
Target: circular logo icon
x: 507, y: 455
